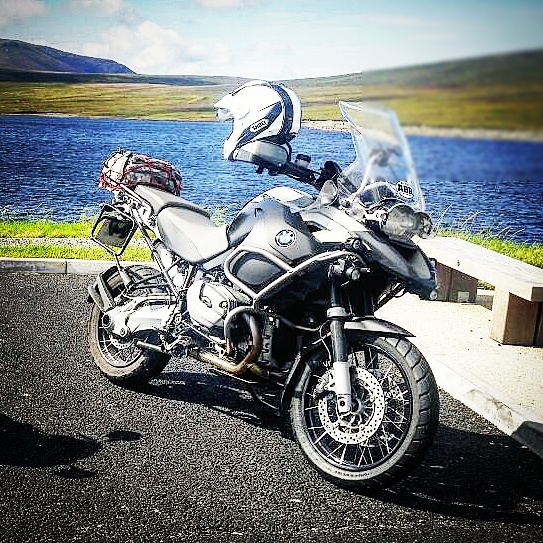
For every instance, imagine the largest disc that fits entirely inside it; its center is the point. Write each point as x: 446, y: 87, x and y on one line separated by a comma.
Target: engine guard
x: 366, y: 325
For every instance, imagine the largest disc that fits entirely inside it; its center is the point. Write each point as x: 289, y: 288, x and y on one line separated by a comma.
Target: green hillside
x: 35, y: 76
x: 494, y: 92
x: 20, y: 55
x: 497, y: 92
x: 520, y: 68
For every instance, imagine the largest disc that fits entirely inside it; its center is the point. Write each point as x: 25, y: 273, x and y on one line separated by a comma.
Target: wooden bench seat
x: 518, y: 299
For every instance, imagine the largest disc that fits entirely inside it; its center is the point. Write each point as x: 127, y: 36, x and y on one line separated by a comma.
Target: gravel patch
x: 449, y: 132
x: 58, y: 242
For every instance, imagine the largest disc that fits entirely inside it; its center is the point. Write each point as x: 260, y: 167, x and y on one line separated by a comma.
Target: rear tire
x: 121, y: 361
x: 393, y: 422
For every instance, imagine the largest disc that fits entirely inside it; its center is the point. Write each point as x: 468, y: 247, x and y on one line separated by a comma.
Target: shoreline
x: 341, y: 126
x: 441, y: 132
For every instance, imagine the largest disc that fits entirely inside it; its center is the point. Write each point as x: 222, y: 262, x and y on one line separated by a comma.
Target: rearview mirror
x: 328, y: 193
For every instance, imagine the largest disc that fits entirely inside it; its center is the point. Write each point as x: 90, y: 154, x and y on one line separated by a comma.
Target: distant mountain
x: 25, y: 62
x: 20, y: 56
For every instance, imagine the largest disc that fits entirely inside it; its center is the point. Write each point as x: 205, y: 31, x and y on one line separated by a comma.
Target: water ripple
x: 49, y: 167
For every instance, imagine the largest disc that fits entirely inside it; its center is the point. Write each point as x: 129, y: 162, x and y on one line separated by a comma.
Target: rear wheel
x: 121, y: 360
x: 392, y: 422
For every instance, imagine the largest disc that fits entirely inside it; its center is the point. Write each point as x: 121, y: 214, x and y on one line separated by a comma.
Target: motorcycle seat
x: 184, y: 227
x: 159, y: 199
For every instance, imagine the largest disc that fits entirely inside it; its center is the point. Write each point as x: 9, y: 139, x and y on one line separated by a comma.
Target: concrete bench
x: 517, y: 309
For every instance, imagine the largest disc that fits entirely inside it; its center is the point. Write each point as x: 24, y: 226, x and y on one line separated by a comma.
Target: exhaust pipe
x: 227, y: 364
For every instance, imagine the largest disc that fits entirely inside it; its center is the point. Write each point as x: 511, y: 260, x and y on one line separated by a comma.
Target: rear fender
x: 370, y: 326
x: 100, y: 291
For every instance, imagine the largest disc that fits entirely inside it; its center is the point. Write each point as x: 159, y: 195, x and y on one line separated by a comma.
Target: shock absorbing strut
x: 337, y: 315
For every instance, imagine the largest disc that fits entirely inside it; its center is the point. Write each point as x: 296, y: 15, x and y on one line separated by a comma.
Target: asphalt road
x: 190, y: 459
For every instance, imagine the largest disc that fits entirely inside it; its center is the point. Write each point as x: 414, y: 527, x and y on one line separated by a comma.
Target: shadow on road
x: 504, y: 484
x: 216, y: 392
x: 455, y: 479
x: 25, y: 446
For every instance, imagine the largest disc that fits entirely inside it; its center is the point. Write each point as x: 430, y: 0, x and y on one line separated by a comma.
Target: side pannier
x: 129, y: 169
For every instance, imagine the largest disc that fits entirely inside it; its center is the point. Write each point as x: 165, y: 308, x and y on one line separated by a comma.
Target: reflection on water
x: 49, y: 167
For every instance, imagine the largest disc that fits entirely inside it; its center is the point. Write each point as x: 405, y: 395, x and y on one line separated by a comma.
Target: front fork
x: 337, y: 314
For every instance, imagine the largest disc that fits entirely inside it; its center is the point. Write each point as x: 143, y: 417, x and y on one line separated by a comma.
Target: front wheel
x: 392, y: 422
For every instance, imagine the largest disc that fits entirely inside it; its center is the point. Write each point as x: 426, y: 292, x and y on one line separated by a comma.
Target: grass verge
x: 45, y: 228
x: 38, y: 250
x: 20, y: 230
x: 532, y: 253
x: 45, y: 238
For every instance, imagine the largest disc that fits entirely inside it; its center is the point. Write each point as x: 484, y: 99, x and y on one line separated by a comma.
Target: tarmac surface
x: 503, y: 383
x: 191, y: 458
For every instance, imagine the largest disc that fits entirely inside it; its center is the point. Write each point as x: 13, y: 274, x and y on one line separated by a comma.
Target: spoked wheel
x: 121, y: 360
x: 392, y: 422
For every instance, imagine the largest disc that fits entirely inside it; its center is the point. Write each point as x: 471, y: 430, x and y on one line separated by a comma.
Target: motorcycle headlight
x: 402, y: 221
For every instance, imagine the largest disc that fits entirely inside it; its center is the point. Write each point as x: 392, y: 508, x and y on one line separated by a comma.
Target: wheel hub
x: 365, y: 417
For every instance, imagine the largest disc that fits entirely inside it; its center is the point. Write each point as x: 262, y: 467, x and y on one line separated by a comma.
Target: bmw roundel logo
x: 285, y: 238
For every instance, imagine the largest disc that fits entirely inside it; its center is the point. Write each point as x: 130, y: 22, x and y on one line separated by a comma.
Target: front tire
x: 393, y: 421
x: 122, y: 361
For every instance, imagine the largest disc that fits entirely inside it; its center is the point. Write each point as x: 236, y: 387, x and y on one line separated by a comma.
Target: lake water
x: 49, y: 167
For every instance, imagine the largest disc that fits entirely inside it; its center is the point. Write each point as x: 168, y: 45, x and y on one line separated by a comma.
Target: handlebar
x: 330, y: 170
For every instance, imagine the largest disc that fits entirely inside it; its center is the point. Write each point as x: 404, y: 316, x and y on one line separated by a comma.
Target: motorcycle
x: 283, y: 298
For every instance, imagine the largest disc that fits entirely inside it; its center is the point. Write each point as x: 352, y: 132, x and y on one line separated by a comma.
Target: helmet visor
x: 224, y: 114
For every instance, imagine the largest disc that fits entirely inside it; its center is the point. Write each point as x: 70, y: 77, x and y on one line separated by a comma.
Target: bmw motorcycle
x: 283, y: 298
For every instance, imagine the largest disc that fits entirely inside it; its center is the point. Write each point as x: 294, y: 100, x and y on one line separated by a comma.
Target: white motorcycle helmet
x: 261, y: 112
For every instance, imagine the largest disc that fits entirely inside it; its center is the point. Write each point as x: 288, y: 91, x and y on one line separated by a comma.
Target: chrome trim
x: 289, y: 270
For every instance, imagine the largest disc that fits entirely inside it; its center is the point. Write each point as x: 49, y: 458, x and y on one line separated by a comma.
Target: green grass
x: 532, y: 253
x: 130, y: 100
x: 45, y: 228
x: 492, y: 107
x: 33, y: 250
x: 509, y: 107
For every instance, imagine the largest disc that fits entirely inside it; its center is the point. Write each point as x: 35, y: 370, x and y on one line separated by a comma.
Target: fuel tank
x: 270, y: 229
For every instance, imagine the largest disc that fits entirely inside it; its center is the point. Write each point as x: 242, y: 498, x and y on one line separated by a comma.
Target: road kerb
x: 37, y: 265
x: 492, y: 404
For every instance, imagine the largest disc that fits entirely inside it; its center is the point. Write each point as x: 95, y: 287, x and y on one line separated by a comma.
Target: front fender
x: 375, y: 326
x: 371, y: 326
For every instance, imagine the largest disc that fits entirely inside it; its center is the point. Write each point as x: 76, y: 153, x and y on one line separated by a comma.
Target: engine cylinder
x: 208, y: 303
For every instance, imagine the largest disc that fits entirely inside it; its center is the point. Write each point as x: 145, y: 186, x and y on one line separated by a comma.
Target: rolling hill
x: 493, y: 92
x: 20, y: 56
x: 519, y: 68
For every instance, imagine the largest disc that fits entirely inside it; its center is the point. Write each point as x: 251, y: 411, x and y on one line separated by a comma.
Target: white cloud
x: 11, y: 10
x: 270, y: 47
x: 227, y: 4
x: 149, y: 48
x: 400, y: 20
x: 99, y: 7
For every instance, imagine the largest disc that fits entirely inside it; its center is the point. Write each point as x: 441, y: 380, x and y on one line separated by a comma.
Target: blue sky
x: 275, y: 39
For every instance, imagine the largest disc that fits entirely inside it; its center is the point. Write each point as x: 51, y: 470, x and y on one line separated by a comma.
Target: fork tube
x: 342, y: 377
